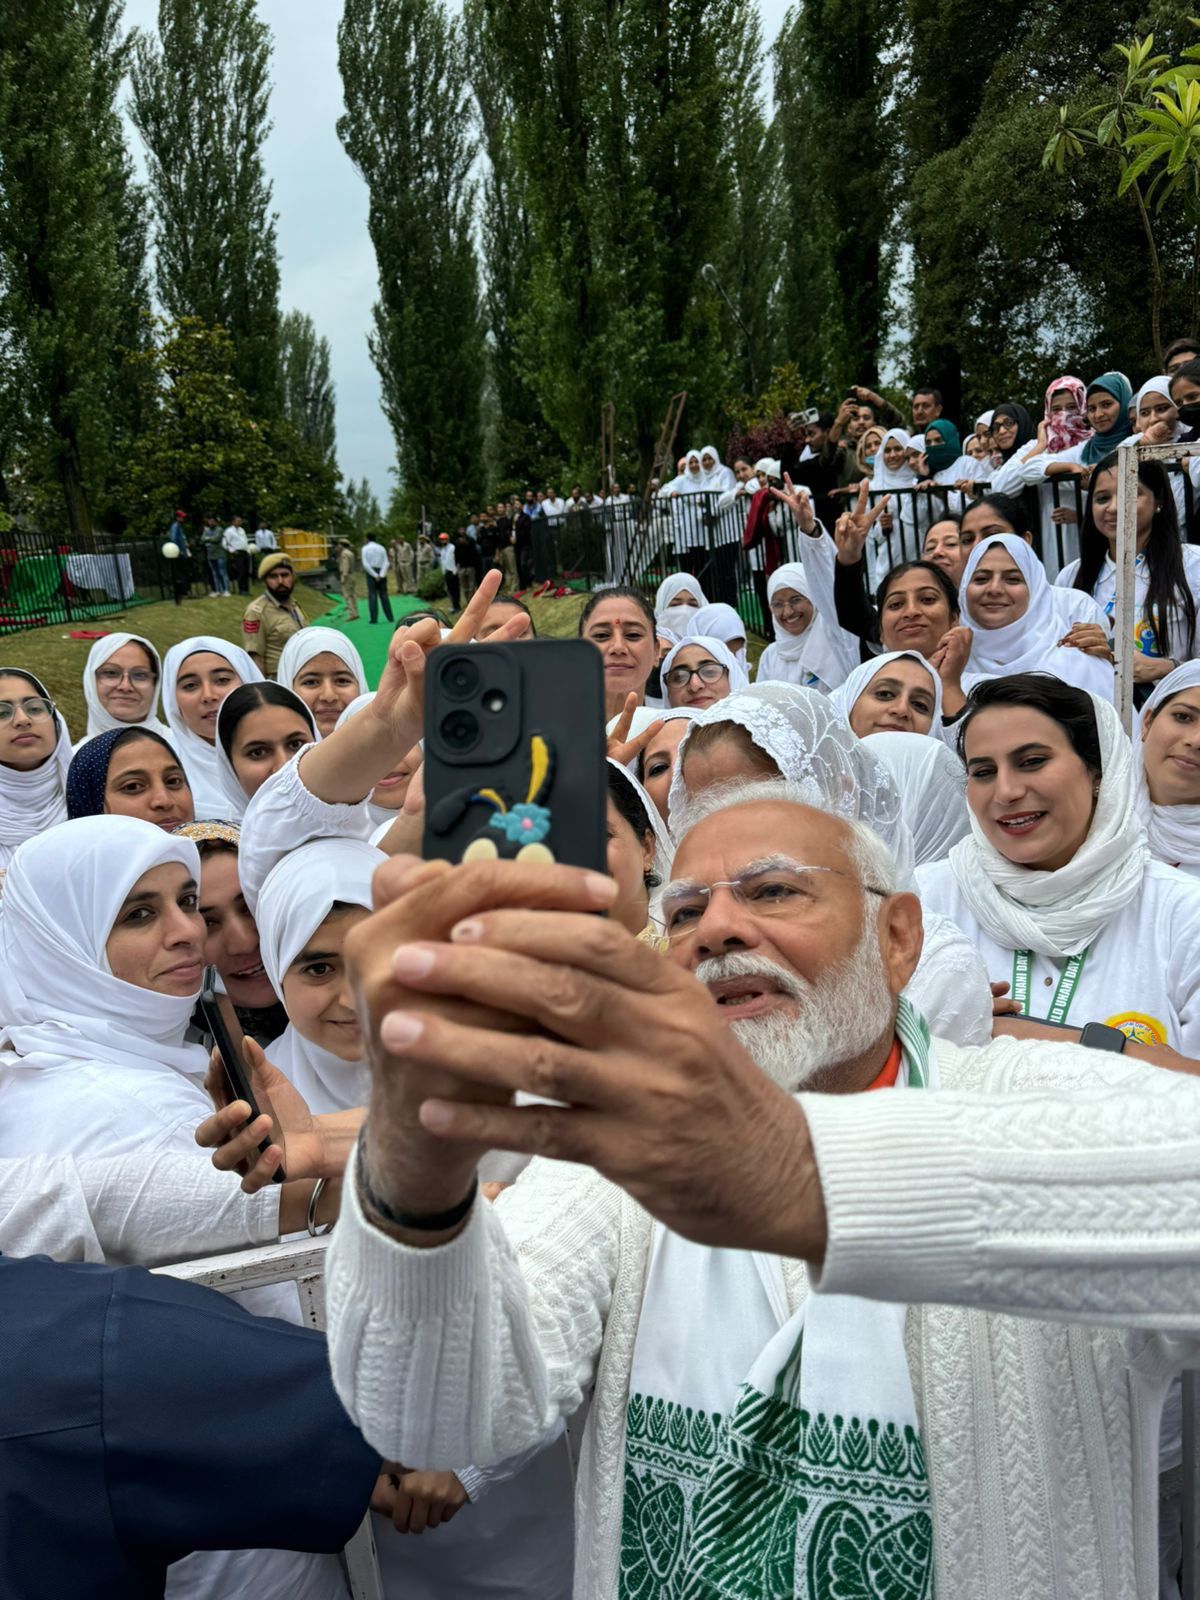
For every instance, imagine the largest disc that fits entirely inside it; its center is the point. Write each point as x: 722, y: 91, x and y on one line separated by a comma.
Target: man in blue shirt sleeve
x: 142, y: 1418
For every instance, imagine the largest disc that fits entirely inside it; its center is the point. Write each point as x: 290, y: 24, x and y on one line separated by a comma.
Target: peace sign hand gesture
x: 799, y: 503
x: 852, y: 527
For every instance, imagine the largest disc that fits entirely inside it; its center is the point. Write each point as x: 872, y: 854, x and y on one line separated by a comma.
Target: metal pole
x: 1123, y: 619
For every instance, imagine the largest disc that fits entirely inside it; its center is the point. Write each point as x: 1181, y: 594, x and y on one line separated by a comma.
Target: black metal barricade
x: 45, y: 581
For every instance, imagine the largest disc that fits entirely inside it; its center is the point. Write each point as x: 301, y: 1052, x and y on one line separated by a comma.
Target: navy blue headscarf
x: 87, y: 775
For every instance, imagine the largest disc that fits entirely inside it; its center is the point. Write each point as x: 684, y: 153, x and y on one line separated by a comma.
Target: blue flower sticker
x: 522, y: 824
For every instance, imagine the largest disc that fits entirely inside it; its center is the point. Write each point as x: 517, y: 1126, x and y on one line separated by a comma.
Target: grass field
x: 52, y: 655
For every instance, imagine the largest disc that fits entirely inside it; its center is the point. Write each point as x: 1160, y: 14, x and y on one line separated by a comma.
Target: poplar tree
x: 72, y: 249
x: 408, y: 128
x: 308, y: 397
x: 201, y: 97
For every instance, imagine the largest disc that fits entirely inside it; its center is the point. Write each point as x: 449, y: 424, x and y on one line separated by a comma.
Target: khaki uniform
x: 346, y: 568
x: 404, y: 566
x: 266, y: 628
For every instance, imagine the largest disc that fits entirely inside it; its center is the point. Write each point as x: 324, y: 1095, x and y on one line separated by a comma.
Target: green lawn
x: 52, y: 655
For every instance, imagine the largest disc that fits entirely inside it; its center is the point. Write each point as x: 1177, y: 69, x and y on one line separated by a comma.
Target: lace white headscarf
x: 813, y: 749
x: 933, y: 790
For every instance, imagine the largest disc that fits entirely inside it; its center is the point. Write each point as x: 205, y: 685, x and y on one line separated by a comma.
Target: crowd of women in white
x: 240, y: 826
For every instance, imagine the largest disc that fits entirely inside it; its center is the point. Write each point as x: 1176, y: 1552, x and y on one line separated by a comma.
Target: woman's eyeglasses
x: 35, y: 706
x: 707, y: 672
x: 110, y: 677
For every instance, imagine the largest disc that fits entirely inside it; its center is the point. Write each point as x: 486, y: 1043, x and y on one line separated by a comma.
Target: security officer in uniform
x: 272, y: 618
x: 346, y: 568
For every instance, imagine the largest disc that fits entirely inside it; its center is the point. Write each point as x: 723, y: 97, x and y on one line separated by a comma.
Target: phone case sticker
x: 512, y: 831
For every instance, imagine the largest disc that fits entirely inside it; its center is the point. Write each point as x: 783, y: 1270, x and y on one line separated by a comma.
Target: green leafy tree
x: 201, y: 95
x: 72, y: 252
x: 362, y: 510
x: 203, y: 447
x: 836, y: 124
x: 308, y: 399
x: 408, y: 128
x: 1148, y: 125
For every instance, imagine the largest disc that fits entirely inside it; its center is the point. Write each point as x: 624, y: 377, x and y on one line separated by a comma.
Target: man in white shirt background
x: 448, y: 562
x: 237, y: 546
x: 375, y: 564
x: 265, y: 539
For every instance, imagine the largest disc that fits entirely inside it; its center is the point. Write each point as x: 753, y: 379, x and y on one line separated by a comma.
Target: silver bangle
x: 315, y: 1232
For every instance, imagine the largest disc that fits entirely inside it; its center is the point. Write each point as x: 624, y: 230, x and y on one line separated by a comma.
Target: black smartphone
x: 220, y: 1018
x: 515, y: 753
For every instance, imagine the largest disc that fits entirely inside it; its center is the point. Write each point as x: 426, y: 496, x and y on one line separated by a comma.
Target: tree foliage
x: 72, y: 254
x: 408, y: 129
x: 201, y: 93
x: 205, y: 449
x: 308, y: 398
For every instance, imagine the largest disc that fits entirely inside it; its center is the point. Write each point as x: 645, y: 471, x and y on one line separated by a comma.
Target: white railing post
x: 301, y: 1263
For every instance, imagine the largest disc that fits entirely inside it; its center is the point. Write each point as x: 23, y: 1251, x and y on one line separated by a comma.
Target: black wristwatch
x: 420, y: 1222
x: 1099, y: 1036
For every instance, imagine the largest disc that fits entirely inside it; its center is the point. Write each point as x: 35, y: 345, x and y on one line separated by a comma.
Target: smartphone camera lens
x: 461, y: 731
x: 460, y: 679
x: 494, y: 701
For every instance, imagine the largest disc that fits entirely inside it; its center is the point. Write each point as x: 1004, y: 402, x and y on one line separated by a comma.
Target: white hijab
x: 198, y: 756
x: 933, y: 790
x: 1058, y: 914
x: 674, y: 618
x: 100, y: 720
x: 690, y: 482
x: 719, y: 479
x: 794, y: 657
x: 1173, y: 831
x: 235, y: 797
x: 845, y: 696
x: 58, y: 997
x: 32, y: 801
x: 813, y: 749
x: 719, y: 621
x: 902, y: 477
x: 297, y: 896
x: 1030, y: 644
x: 717, y: 650
x: 315, y: 641
x: 1159, y: 385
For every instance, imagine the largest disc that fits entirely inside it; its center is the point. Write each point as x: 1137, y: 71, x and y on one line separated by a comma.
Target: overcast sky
x: 327, y: 264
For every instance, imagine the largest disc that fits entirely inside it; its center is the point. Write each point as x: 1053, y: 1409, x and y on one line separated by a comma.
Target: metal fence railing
x: 304, y: 1265
x: 44, y: 580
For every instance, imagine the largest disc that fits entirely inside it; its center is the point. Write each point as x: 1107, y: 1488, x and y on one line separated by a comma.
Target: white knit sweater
x: 1041, y: 1216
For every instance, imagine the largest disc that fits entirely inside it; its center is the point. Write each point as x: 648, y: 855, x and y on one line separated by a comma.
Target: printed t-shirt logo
x: 1136, y: 1025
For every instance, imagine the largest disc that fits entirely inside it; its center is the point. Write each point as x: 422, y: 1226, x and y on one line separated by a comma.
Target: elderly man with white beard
x: 838, y: 1343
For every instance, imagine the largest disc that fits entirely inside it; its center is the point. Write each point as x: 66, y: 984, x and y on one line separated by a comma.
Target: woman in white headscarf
x: 779, y: 730
x: 35, y: 755
x: 1156, y: 421
x: 933, y: 791
x: 120, y: 685
x: 654, y: 766
x: 698, y: 671
x: 899, y: 529
x: 101, y: 952
x: 677, y: 601
x: 719, y: 621
x: 898, y: 692
x: 260, y: 727
x: 1056, y: 886
x: 1016, y: 626
x: 802, y: 652
x: 1167, y: 756
x: 197, y: 675
x: 323, y: 667
x: 718, y: 478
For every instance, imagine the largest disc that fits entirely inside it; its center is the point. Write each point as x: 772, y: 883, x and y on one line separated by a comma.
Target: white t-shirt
x: 235, y: 539
x: 1105, y: 594
x: 446, y: 558
x: 1141, y: 974
x: 374, y: 559
x: 264, y: 539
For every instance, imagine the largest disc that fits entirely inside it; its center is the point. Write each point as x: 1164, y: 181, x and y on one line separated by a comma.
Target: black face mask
x: 1189, y: 415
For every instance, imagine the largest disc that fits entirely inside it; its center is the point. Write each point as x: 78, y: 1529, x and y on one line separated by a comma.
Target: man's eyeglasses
x: 789, y: 889
x: 707, y: 672
x: 140, y: 678
x: 35, y: 706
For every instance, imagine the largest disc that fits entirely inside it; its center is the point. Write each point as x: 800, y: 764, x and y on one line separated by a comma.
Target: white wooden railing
x: 304, y: 1265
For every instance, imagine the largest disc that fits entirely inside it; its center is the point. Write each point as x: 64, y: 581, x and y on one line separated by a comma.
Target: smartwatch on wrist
x: 1099, y: 1036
